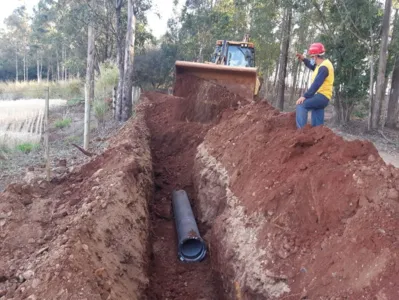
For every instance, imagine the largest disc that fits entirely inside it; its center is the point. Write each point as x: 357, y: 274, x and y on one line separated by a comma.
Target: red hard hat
x: 316, y: 49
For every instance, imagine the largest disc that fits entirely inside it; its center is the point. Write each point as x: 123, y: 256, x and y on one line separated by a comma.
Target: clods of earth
x: 286, y: 214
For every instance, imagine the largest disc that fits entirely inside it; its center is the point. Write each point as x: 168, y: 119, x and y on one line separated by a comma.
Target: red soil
x: 173, y: 145
x: 331, y: 206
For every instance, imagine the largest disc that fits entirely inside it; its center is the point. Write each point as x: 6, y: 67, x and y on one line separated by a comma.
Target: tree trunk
x: 281, y: 47
x: 127, y: 104
x: 38, y: 68
x: 393, y: 111
x: 392, y: 101
x: 63, y: 63
x: 384, y: 103
x: 371, y: 84
x: 376, y: 112
x: 48, y: 72
x: 16, y: 67
x: 277, y: 69
x: 58, y: 66
x: 295, y: 78
x: 120, y: 59
x: 24, y: 66
x: 302, y: 83
x: 41, y: 68
x: 298, y: 80
x: 27, y: 69
x: 284, y: 60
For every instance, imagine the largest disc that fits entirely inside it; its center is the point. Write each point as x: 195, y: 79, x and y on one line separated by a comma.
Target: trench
x: 173, y: 146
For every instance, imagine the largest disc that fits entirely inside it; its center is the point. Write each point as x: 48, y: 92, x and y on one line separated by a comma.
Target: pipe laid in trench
x: 191, y: 247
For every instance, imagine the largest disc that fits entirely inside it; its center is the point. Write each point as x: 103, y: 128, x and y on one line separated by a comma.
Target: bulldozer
x: 232, y: 66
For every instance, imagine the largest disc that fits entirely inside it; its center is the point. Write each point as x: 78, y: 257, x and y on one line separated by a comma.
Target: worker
x: 318, y: 96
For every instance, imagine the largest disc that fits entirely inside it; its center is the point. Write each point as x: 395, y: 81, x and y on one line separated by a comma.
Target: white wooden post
x: 46, y: 135
x: 86, y: 138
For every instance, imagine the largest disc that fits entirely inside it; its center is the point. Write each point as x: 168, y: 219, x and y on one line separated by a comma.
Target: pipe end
x: 192, y: 250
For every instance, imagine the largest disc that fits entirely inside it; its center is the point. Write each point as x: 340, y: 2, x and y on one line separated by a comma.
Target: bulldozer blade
x: 239, y: 80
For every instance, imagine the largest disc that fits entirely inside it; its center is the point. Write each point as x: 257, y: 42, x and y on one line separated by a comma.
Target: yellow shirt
x: 326, y: 88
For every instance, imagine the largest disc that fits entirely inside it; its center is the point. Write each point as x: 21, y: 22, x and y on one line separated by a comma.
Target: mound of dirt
x: 297, y: 214
x: 286, y: 214
x: 203, y: 100
x: 85, y: 236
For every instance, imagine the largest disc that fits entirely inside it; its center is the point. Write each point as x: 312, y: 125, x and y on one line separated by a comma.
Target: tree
x: 380, y: 91
x: 393, y: 111
x: 284, y: 57
x: 129, y: 59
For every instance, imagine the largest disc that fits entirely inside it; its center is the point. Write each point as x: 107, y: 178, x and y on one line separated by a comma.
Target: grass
x: 106, y: 82
x: 22, y: 121
x: 73, y: 139
x: 100, y: 108
x: 62, y: 123
x: 70, y: 89
x: 27, y: 147
x: 75, y: 101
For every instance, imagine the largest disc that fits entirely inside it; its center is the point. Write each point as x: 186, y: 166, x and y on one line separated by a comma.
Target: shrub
x: 107, y: 80
x: 63, y: 123
x: 27, y: 147
x: 100, y: 108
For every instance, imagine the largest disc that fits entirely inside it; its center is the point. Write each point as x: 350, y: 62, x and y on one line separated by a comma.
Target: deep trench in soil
x: 173, y: 147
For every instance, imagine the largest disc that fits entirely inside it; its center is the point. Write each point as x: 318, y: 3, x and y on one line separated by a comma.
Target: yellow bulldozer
x: 232, y: 66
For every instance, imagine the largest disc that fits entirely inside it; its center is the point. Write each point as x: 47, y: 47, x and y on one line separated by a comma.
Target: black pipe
x: 191, y: 247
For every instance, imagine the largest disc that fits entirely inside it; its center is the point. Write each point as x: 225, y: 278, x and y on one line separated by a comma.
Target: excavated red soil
x: 204, y: 101
x: 322, y: 213
x: 287, y: 214
x: 173, y: 145
x: 85, y: 234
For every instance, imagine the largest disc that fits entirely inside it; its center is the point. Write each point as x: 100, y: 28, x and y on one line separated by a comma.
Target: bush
x: 63, y: 123
x: 107, y: 80
x: 27, y: 147
x: 100, y: 108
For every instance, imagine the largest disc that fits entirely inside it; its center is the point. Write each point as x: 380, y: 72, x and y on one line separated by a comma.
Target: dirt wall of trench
x: 86, y: 234
x: 296, y: 214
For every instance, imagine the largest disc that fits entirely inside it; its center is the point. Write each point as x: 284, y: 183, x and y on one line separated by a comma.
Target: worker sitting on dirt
x: 318, y: 96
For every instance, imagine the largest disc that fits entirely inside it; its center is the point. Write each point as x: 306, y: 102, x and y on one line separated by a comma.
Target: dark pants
x: 316, y: 104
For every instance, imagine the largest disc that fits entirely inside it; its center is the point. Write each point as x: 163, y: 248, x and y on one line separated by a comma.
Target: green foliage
x: 350, y: 58
x: 62, y: 123
x: 154, y: 69
x: 100, y: 108
x: 106, y: 81
x: 53, y: 41
x: 27, y: 147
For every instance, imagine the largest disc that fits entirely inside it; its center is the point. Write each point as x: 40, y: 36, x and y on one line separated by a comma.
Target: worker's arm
x: 321, y: 76
x: 308, y: 64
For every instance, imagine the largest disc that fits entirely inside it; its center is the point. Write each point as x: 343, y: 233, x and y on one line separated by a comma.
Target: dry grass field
x: 21, y: 121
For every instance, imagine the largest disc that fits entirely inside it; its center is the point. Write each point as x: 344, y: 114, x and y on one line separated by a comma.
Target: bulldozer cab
x: 232, y: 66
x: 234, y: 54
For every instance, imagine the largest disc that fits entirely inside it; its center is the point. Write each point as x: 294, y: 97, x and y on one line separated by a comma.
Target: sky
x: 157, y: 25
x: 8, y: 6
